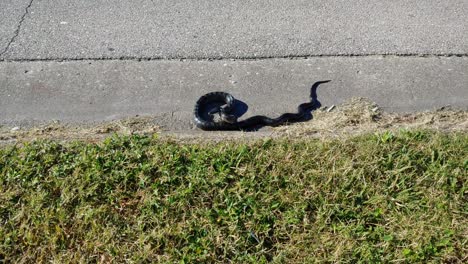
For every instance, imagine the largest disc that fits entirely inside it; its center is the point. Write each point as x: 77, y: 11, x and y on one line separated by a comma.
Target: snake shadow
x: 240, y: 108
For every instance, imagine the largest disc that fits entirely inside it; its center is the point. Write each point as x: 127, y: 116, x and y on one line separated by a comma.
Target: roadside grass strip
x: 387, y: 197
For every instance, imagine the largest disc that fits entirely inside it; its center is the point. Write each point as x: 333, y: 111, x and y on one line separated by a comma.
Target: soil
x: 354, y: 117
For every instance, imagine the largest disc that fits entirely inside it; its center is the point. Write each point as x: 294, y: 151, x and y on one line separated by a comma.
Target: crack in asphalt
x: 243, y: 58
x: 18, y: 28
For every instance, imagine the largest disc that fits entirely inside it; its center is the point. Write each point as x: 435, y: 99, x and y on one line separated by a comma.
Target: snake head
x: 231, y: 119
x: 225, y: 114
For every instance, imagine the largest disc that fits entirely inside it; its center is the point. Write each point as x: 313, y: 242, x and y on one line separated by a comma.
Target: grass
x: 390, y: 197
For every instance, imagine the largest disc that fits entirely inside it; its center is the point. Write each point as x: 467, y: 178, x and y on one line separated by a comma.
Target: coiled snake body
x: 228, y: 119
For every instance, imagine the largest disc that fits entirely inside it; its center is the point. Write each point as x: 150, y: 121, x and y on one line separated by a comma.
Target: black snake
x: 228, y: 119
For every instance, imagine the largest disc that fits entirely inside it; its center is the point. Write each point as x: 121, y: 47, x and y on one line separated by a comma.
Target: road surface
x: 86, y: 61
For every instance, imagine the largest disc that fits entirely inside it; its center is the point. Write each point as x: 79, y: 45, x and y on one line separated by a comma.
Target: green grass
x: 376, y: 198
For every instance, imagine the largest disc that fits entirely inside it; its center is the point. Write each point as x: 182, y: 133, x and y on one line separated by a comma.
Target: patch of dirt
x: 356, y: 116
x: 360, y: 115
x: 85, y: 132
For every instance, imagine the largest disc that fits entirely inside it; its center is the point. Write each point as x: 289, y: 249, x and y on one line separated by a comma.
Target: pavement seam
x: 17, y: 30
x: 246, y: 58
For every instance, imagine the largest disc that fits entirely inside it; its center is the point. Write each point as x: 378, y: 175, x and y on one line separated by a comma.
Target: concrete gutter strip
x: 89, y: 91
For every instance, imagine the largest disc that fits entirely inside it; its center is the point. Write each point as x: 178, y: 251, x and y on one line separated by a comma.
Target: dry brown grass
x: 360, y: 116
x: 354, y: 117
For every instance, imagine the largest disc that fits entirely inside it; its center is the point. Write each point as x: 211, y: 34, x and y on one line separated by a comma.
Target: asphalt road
x: 72, y: 29
x: 12, y: 13
x: 79, y: 60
